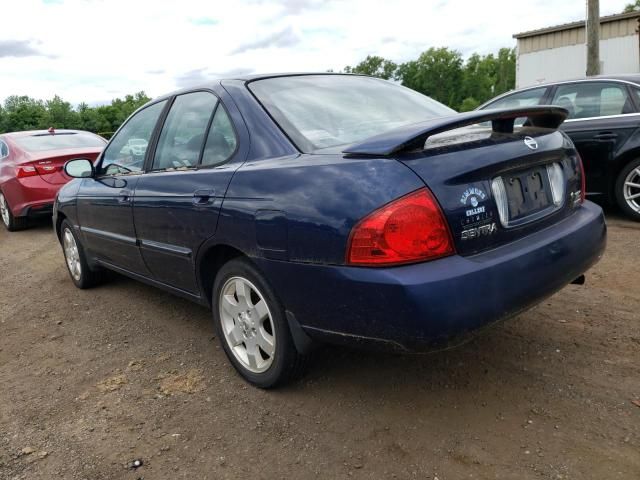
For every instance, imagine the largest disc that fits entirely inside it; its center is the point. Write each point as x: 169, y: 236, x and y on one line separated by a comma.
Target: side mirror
x: 79, y: 168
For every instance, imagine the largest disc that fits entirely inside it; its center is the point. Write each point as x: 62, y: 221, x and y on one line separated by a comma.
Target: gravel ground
x: 92, y: 380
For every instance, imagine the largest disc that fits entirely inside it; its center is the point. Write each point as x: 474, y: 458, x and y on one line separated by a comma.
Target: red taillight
x: 46, y: 168
x: 409, y: 229
x: 26, y: 171
x: 583, y: 180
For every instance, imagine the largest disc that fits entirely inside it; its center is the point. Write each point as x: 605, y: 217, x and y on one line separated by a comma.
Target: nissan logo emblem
x: 531, y: 143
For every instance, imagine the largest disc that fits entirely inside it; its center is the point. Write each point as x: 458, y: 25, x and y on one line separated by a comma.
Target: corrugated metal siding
x: 575, y: 36
x: 618, y: 55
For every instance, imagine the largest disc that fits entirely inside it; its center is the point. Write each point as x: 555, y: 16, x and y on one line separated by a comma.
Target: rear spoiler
x: 413, y: 137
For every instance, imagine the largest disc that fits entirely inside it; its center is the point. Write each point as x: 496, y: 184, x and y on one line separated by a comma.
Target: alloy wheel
x: 4, y: 210
x: 71, y: 254
x: 247, y: 325
x: 631, y: 189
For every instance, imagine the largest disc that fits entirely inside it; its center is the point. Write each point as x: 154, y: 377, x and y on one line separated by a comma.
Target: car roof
x: 29, y: 133
x: 627, y: 77
x: 624, y: 77
x: 250, y: 78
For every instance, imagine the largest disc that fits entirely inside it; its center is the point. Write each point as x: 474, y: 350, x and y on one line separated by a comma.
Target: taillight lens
x: 409, y: 229
x: 46, y: 169
x: 583, y: 180
x: 26, y: 171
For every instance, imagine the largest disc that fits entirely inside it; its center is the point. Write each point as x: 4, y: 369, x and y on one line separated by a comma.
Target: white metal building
x: 560, y: 53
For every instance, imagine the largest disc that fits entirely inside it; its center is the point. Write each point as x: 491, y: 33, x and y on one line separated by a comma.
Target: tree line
x: 440, y: 73
x: 444, y: 75
x: 25, y: 113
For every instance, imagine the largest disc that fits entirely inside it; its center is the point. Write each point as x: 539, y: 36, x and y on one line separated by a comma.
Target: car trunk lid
x: 50, y: 164
x: 494, y: 185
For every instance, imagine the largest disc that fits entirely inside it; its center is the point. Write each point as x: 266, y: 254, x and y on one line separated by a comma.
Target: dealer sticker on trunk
x: 476, y: 214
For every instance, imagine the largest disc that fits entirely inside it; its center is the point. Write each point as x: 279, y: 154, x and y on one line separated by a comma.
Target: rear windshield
x: 57, y: 141
x: 330, y: 111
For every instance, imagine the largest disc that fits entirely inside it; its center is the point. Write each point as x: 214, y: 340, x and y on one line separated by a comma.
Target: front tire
x: 79, y: 270
x: 628, y: 189
x: 10, y: 222
x: 251, y: 324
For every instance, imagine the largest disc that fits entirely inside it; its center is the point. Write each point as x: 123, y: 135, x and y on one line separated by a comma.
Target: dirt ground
x: 92, y: 380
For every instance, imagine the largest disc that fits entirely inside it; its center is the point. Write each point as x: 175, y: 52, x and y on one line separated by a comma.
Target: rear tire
x: 627, y: 189
x: 11, y: 223
x: 79, y: 270
x: 251, y: 324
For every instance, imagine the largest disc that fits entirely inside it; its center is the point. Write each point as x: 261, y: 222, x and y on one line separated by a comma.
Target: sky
x: 96, y: 50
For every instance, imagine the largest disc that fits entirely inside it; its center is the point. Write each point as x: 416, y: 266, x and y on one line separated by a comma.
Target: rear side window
x: 56, y: 141
x: 221, y: 141
x: 4, y: 150
x: 184, y: 131
x: 593, y: 99
x: 126, y: 152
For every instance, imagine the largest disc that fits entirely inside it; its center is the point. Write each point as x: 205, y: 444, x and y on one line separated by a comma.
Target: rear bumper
x: 425, y: 305
x: 30, y: 196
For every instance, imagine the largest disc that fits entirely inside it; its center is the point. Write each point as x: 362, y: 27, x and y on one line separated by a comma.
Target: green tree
x: 436, y: 73
x: 374, y: 66
x: 90, y: 120
x: 60, y: 114
x: 478, y: 80
x: 632, y: 7
x: 505, y: 71
x: 469, y: 104
x: 24, y: 113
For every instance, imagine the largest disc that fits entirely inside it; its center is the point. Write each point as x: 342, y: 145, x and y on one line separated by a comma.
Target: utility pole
x: 593, y: 37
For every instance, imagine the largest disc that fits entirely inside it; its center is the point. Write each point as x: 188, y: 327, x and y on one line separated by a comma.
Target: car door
x: 600, y: 121
x: 177, y: 201
x: 105, y: 202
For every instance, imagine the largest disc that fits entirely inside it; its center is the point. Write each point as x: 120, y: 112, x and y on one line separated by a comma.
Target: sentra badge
x: 480, y: 231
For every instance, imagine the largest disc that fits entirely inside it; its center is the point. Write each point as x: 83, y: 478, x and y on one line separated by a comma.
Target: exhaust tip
x: 579, y: 281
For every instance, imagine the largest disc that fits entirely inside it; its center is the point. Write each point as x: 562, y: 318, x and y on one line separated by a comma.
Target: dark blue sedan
x: 337, y: 208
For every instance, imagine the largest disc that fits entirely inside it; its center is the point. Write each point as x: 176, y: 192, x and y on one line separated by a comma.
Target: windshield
x: 57, y: 141
x: 324, y: 111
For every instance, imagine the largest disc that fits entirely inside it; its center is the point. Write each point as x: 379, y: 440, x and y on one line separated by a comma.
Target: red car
x: 31, y: 170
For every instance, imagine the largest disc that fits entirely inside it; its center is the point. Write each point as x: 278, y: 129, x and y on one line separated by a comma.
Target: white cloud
x: 94, y: 50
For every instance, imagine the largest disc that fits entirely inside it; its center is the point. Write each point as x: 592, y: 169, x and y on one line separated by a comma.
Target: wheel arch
x: 209, y: 262
x: 620, y: 162
x: 60, y: 217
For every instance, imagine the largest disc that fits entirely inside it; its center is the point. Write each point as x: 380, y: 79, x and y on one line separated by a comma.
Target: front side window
x: 221, y: 140
x: 184, y: 130
x: 127, y: 149
x: 330, y: 111
x: 593, y: 99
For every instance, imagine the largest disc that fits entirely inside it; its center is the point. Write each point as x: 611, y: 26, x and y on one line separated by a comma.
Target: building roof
x: 579, y: 24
